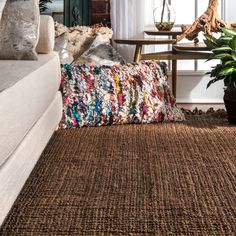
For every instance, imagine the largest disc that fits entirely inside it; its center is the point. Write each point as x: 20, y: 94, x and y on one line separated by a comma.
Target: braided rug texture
x: 156, y: 179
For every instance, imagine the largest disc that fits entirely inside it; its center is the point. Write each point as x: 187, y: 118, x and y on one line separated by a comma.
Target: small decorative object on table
x: 164, y: 16
x: 224, y: 48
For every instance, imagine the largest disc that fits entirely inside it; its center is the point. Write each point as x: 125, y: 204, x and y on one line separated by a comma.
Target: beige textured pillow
x: 80, y: 38
x: 19, y: 30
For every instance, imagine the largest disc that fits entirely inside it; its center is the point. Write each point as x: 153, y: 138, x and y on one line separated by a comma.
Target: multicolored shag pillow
x: 119, y: 94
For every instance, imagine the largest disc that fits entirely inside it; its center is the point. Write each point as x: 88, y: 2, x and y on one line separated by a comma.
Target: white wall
x: 191, y: 88
x: 231, y: 11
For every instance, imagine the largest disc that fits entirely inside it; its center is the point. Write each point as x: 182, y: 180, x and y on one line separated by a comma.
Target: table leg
x: 174, y: 72
x: 138, y: 51
x: 174, y: 77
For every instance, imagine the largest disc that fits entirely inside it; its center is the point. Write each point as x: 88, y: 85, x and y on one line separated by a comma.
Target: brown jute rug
x: 157, y: 179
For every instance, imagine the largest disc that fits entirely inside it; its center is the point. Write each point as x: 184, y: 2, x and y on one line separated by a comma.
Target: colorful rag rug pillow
x: 130, y: 93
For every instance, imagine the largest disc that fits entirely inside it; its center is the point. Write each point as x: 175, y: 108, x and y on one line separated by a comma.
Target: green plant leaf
x: 43, y: 5
x: 227, y: 71
x: 233, y: 43
x: 230, y: 82
x: 224, y: 40
x: 233, y: 53
x: 209, y: 44
x: 222, y: 49
x: 210, y: 41
x: 228, y: 32
x: 221, y: 56
x: 230, y: 63
x: 215, y: 72
x: 213, y: 81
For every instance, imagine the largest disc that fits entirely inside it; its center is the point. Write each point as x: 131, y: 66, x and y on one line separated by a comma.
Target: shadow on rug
x: 209, y: 119
x: 157, y: 179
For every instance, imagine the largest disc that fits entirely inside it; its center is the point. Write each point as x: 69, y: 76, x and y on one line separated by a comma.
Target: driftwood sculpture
x: 208, y: 23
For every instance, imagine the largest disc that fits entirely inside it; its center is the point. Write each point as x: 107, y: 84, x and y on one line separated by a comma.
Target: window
x: 186, y: 12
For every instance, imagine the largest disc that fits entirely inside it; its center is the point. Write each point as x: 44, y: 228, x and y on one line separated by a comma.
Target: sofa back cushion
x: 46, y: 35
x: 19, y: 28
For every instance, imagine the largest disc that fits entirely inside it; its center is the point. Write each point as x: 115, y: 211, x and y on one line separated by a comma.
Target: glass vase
x: 164, y: 16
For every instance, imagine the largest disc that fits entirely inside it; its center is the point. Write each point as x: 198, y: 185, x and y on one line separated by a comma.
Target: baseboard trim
x: 199, y: 101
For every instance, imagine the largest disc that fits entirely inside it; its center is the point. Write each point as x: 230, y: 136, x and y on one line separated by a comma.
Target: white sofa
x: 30, y: 110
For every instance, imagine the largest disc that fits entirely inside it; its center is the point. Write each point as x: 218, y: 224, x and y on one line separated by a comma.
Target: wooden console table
x: 188, y: 51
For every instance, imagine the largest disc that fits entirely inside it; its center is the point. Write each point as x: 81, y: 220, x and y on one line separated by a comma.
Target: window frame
x: 196, y: 69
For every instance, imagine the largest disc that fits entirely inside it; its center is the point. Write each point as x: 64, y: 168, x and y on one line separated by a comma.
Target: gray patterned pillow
x: 100, y: 53
x: 19, y: 30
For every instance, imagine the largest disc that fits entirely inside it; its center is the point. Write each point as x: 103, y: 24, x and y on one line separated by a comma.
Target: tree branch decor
x: 208, y: 23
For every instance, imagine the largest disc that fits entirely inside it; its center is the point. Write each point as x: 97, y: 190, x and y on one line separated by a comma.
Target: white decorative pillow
x: 2, y: 5
x: 100, y: 53
x: 19, y: 28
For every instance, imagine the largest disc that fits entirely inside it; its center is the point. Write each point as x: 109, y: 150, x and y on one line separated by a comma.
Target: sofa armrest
x: 46, y: 35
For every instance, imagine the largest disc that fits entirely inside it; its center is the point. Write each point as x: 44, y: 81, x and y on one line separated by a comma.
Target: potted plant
x: 43, y: 5
x: 224, y: 49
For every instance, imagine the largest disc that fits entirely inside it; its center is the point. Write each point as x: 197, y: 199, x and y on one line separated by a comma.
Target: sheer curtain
x: 129, y: 19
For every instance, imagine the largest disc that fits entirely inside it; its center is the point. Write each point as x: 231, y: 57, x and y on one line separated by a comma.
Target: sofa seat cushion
x: 26, y: 90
